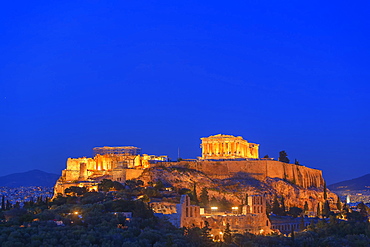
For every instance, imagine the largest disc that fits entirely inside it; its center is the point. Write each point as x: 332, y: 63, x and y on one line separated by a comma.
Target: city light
x: 235, y: 210
x: 214, y: 208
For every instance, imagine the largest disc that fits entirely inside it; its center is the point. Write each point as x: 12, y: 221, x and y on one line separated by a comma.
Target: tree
x: 195, y: 193
x: 318, y: 211
x: 283, y: 209
x: 139, y: 183
x: 118, y: 186
x: 355, y: 217
x: 326, y: 209
x: 325, y: 192
x: 268, y: 208
x: 225, y: 205
x: 186, y: 191
x: 227, y: 234
x: 363, y: 209
x: 151, y: 192
x: 339, y: 204
x: 205, y: 234
x: 17, y: 205
x: 276, y: 209
x: 47, y: 201
x: 305, y: 207
x: 283, y: 157
x: 8, y: 205
x: 159, y: 185
x: 295, y: 211
x: 133, y: 183
x: 75, y: 190
x: 204, y: 198
x: 105, y: 185
x: 213, y: 201
x: 296, y: 162
x: 266, y: 156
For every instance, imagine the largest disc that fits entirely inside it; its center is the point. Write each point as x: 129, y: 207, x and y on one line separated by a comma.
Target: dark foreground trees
x: 97, y: 219
x: 97, y: 223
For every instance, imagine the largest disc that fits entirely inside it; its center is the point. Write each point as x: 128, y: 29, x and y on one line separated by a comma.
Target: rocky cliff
x: 235, y: 187
x: 259, y: 169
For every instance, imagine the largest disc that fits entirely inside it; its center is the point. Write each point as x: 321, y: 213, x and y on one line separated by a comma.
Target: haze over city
x: 159, y: 76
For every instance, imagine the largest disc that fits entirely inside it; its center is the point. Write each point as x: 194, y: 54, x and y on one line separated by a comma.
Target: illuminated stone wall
x: 253, y: 223
x: 259, y: 169
x: 228, y: 147
x: 253, y: 220
x: 117, y: 167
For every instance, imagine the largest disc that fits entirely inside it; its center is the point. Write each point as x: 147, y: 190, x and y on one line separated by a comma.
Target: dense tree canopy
x: 100, y: 219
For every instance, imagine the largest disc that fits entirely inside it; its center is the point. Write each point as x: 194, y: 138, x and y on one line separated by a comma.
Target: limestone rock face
x: 297, y: 196
x: 259, y: 169
x: 235, y: 187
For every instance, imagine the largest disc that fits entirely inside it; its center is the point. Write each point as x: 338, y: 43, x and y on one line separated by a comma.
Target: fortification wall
x: 300, y: 175
x: 133, y: 173
x: 258, y: 169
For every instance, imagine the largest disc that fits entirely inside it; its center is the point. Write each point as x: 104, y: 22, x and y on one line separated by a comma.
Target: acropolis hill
x: 225, y: 158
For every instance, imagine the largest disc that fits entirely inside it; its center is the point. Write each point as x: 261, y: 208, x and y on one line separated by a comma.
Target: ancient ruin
x: 227, y: 147
x: 223, y: 157
x: 230, y: 168
x: 251, y: 217
x: 115, y: 163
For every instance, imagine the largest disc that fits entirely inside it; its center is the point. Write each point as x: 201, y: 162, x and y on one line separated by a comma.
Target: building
x: 287, y: 224
x: 252, y: 219
x: 228, y: 147
x: 115, y: 163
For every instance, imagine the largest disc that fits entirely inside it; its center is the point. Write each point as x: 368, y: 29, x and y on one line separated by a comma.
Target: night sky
x: 161, y: 74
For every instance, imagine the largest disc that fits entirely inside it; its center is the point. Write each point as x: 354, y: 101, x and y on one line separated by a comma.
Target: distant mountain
x: 361, y: 183
x: 30, y: 178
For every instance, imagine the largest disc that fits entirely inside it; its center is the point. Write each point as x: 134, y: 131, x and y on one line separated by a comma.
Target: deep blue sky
x: 161, y: 74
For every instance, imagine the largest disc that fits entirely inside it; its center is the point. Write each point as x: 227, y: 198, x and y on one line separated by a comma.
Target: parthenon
x: 227, y: 147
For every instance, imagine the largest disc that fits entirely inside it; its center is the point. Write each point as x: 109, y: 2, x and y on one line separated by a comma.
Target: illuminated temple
x: 228, y: 147
x: 115, y: 163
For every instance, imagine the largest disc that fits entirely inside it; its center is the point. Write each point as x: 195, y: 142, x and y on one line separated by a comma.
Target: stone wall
x: 258, y: 169
x: 252, y: 223
x: 133, y: 173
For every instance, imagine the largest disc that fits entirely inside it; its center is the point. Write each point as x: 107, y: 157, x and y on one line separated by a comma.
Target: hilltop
x: 235, y: 188
x: 29, y: 178
x: 360, y: 183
